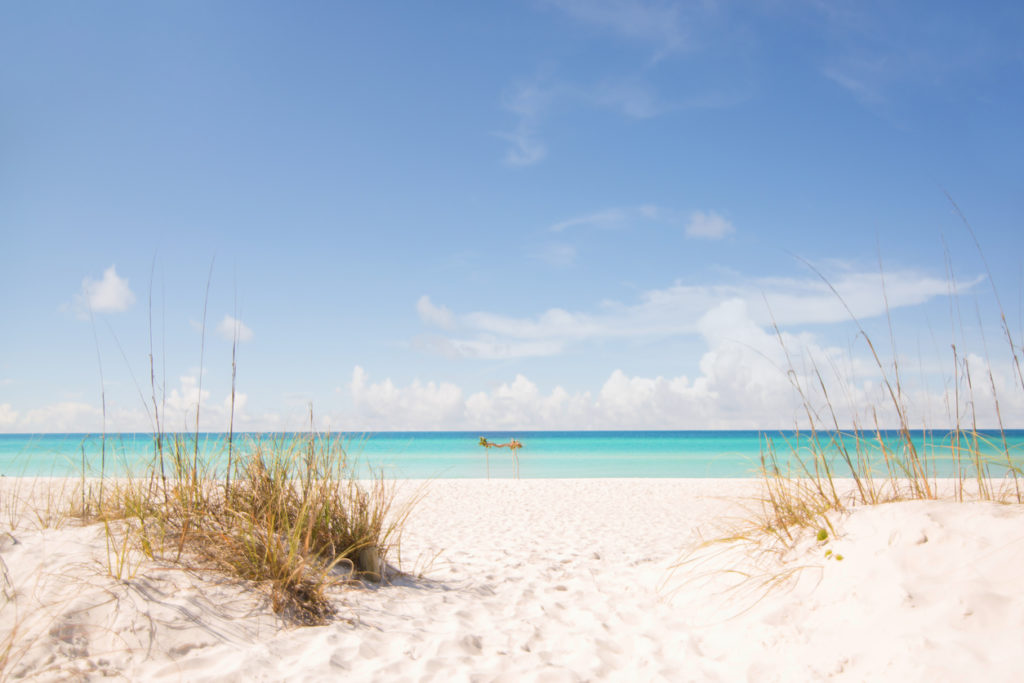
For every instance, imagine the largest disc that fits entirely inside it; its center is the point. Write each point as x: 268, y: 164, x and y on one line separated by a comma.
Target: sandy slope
x: 557, y: 580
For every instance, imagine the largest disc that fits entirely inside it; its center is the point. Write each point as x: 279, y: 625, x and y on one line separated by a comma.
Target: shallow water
x: 458, y: 455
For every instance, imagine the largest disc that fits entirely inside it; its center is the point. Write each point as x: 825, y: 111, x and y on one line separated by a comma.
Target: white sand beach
x: 550, y: 580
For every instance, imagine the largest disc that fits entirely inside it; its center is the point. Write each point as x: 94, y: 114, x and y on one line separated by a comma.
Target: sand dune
x: 554, y: 580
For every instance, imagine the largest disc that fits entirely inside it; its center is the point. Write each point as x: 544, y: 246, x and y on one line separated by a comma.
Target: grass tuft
x: 814, y: 475
x: 909, y: 462
x: 293, y: 518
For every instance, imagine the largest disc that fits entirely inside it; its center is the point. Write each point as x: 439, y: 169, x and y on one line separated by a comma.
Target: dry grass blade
x: 294, y: 518
x: 802, y: 496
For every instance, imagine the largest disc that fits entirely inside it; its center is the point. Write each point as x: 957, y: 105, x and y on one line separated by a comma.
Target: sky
x: 548, y: 214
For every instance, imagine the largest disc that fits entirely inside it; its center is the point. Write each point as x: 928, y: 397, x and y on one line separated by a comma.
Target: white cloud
x: 65, y: 416
x: 634, y: 99
x: 526, y: 149
x: 742, y: 384
x: 111, y: 294
x: 527, y: 103
x: 617, y: 217
x: 609, y: 217
x: 229, y: 327
x: 8, y: 416
x: 709, y: 226
x: 674, y: 311
x: 655, y: 23
x: 417, y: 406
x: 438, y: 316
x: 744, y: 380
x: 557, y: 254
x: 178, y: 413
x: 241, y: 401
x: 859, y: 87
x: 490, y: 348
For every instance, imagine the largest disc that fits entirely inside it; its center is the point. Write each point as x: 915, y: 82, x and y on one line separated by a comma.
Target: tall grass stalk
x: 289, y: 514
x: 801, y: 488
x: 202, y: 349
x: 158, y: 432
x: 103, y: 396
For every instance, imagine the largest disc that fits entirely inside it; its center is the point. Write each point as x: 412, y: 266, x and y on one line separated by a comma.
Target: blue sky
x: 547, y: 214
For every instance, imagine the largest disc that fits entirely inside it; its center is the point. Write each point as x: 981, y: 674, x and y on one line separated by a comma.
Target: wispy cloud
x: 708, y: 226
x: 109, y: 294
x: 526, y: 149
x: 676, y: 310
x: 438, y: 316
x: 527, y: 102
x: 491, y: 347
x: 231, y: 328
x: 556, y: 254
x: 658, y: 24
x: 635, y: 99
x: 530, y: 103
x: 615, y: 217
x: 864, y: 79
x: 875, y: 50
x: 178, y: 413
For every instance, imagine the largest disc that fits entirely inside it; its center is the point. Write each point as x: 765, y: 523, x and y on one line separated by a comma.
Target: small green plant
x: 122, y: 561
x: 822, y: 535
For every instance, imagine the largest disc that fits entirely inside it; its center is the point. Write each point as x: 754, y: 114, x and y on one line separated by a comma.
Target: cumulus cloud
x: 179, y: 410
x: 231, y: 328
x: 741, y: 385
x: 8, y: 416
x: 64, y: 416
x: 746, y: 379
x: 110, y: 294
x: 178, y: 413
x: 181, y: 404
x: 417, y: 406
x: 708, y: 226
x: 438, y: 316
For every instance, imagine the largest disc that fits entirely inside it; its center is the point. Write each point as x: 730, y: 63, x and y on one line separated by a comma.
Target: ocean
x: 458, y: 455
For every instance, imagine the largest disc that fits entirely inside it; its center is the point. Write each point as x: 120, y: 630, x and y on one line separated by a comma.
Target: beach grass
x: 908, y: 461
x: 291, y: 515
x: 843, y: 457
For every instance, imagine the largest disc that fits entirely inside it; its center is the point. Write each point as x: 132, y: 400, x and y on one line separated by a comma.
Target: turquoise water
x: 457, y: 455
